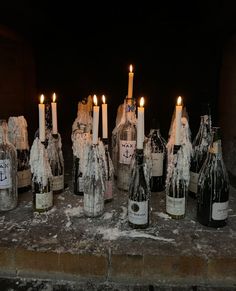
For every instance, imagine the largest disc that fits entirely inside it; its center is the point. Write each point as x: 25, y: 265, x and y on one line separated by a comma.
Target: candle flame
x: 95, y: 100
x: 42, y: 99
x: 131, y: 68
x: 54, y: 97
x: 103, y: 99
x: 141, y: 102
x: 179, y: 101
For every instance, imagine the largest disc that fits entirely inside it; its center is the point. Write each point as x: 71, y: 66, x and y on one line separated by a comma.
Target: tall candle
x: 54, y: 114
x: 42, y: 119
x: 104, y: 118
x: 95, y: 120
x: 140, y: 125
x: 178, y: 124
x: 130, y: 83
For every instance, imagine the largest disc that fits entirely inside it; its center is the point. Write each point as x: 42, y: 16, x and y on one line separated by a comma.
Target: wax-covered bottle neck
x: 3, y: 131
x: 215, y: 146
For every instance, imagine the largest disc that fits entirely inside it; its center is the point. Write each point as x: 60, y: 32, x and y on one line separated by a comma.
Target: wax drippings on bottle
x: 39, y: 162
x: 17, y: 132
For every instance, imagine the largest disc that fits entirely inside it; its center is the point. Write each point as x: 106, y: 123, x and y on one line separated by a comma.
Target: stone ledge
x: 64, y: 245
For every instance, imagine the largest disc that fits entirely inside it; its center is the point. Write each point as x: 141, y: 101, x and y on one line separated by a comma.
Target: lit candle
x: 130, y: 84
x: 104, y: 118
x: 42, y: 119
x: 140, y: 125
x: 178, y: 115
x: 95, y: 120
x: 54, y: 114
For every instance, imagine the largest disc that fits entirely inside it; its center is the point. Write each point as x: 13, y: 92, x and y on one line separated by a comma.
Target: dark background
x: 83, y: 48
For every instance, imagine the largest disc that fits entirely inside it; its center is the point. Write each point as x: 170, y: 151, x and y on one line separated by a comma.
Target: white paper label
x: 157, y: 164
x: 24, y: 178
x: 58, y: 183
x: 81, y: 184
x: 138, y: 212
x: 5, y: 174
x: 193, y: 182
x: 175, y: 206
x: 220, y: 210
x: 127, y: 149
x: 43, y: 200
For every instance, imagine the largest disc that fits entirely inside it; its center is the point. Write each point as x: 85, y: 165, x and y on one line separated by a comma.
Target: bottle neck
x: 3, y: 132
x: 154, y: 130
x: 139, y: 156
x: 215, y: 147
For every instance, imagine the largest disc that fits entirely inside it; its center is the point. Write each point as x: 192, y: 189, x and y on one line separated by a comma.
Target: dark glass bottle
x: 127, y: 146
x: 158, y: 156
x: 8, y: 170
x: 18, y: 136
x: 213, y: 186
x: 200, y: 149
x: 176, y: 191
x: 42, y: 177
x: 139, y: 194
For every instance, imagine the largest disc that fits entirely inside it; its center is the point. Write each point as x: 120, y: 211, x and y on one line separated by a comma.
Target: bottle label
x: 24, y: 178
x: 81, y: 184
x: 5, y: 174
x: 157, y: 164
x: 193, y: 182
x: 108, y: 192
x: 127, y: 149
x: 220, y: 210
x: 138, y: 212
x: 43, y: 200
x: 58, y: 183
x: 175, y: 206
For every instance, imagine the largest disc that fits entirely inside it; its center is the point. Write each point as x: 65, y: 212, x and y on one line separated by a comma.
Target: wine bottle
x: 18, y: 136
x: 8, y: 170
x: 42, y: 177
x: 56, y: 161
x: 94, y: 182
x: 158, y: 157
x: 81, y: 139
x: 139, y: 194
x: 213, y: 186
x: 200, y: 149
x: 127, y: 146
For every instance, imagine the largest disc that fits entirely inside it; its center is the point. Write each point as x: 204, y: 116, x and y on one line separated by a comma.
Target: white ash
x: 39, y: 163
x: 162, y: 215
x: 115, y: 233
x: 124, y: 213
x: 17, y: 132
x: 179, y: 164
x: 108, y: 215
x: 75, y: 211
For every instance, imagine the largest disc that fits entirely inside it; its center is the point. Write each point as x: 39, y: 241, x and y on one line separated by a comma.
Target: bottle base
x: 214, y: 224
x: 177, y: 217
x: 138, y: 226
x: 58, y: 191
x: 42, y: 210
x: 24, y: 189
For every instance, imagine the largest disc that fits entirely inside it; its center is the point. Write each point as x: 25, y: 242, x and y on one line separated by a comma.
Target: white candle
x: 54, y: 114
x: 130, y: 84
x: 42, y: 119
x: 104, y: 118
x: 178, y: 115
x: 95, y: 120
x: 140, y: 125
